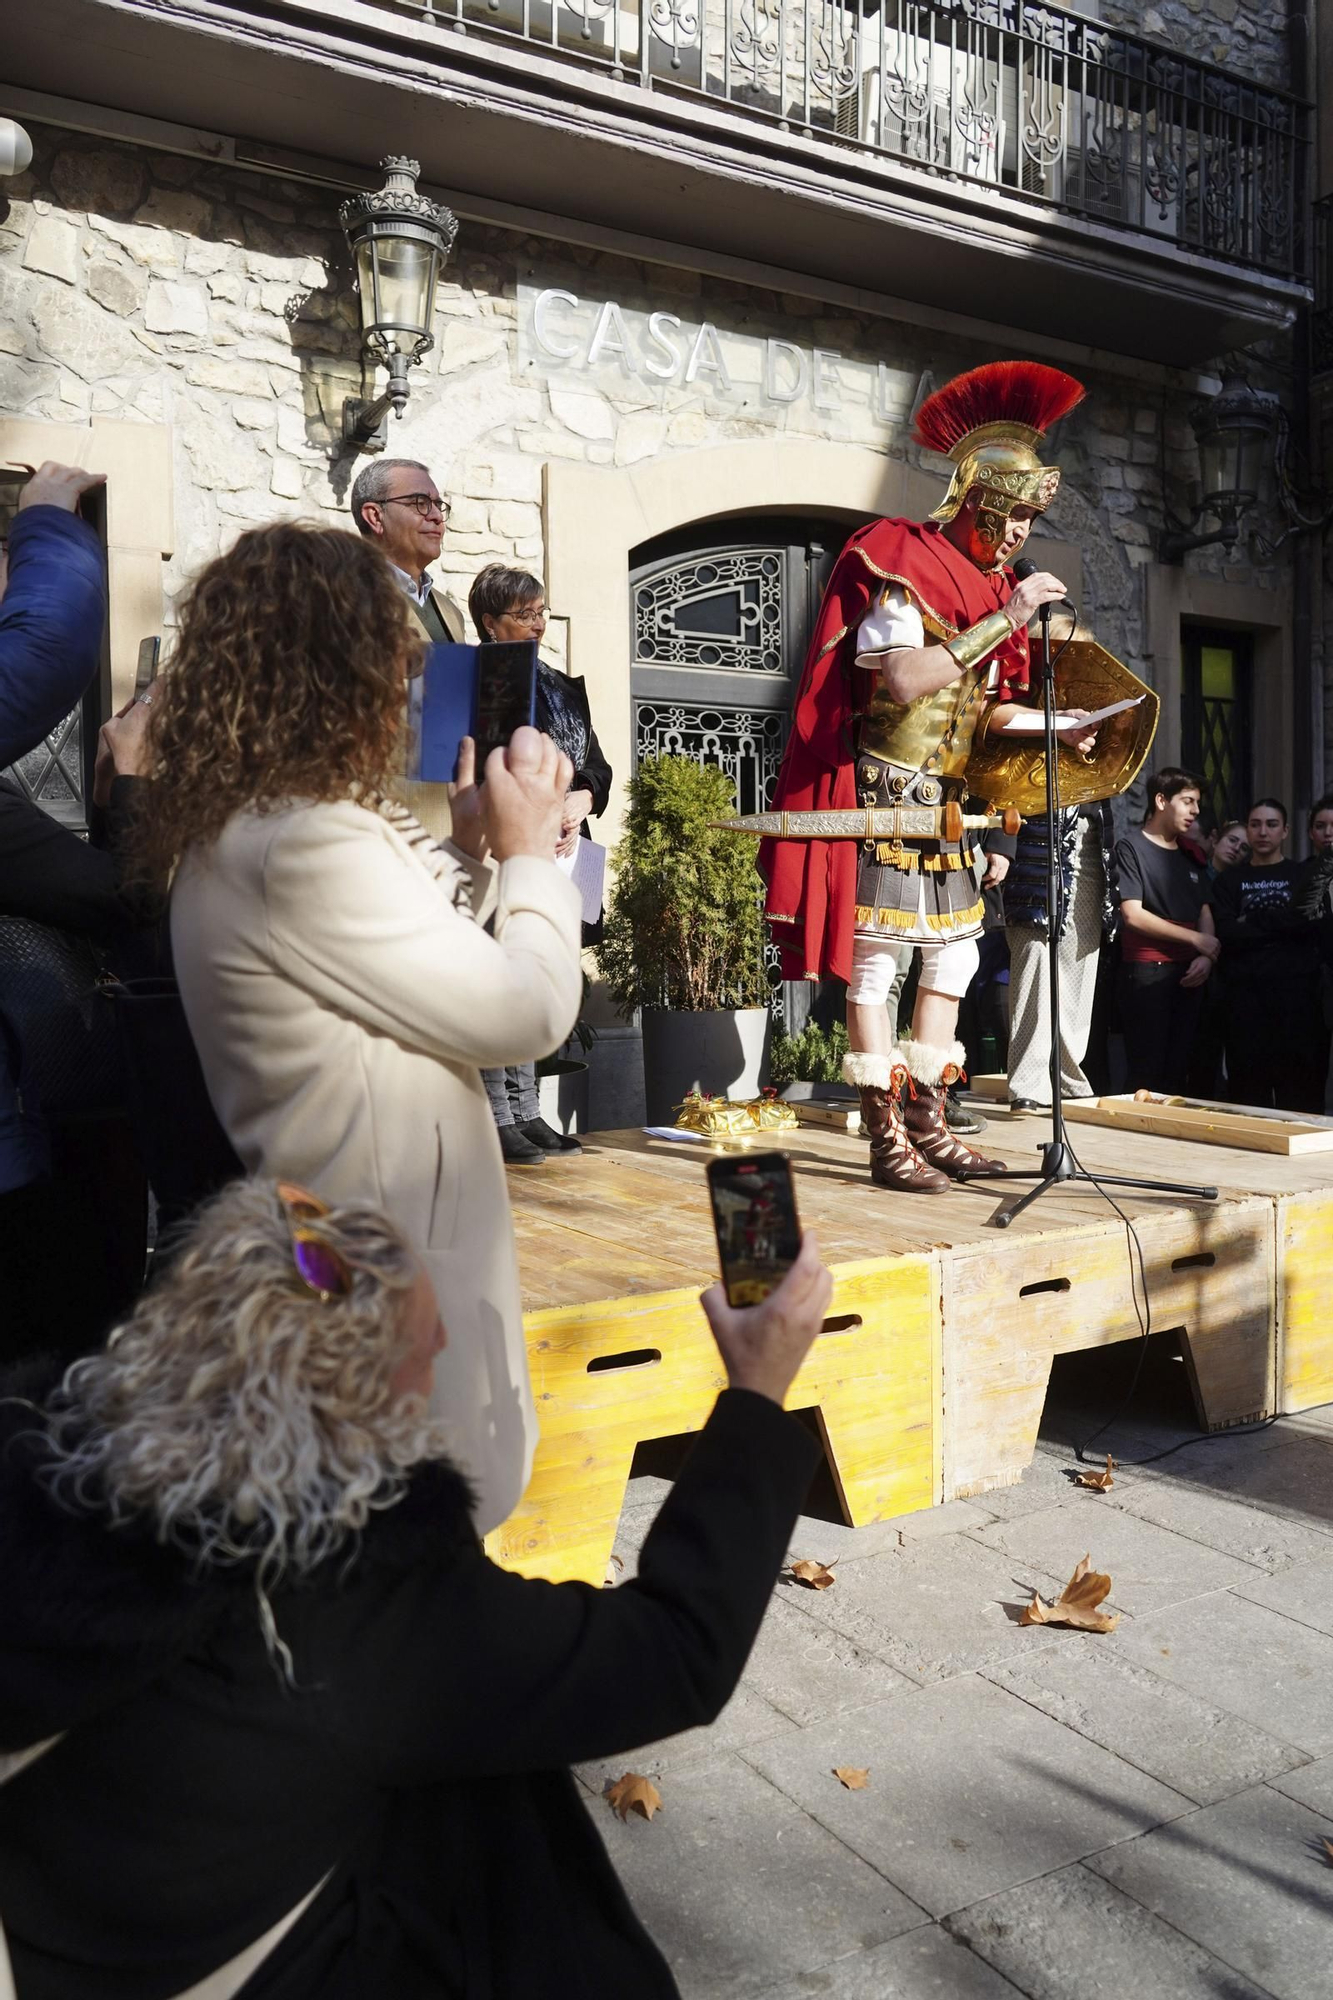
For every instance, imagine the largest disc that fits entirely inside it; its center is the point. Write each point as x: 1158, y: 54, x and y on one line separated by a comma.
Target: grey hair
x: 371, y: 484
x: 242, y: 1415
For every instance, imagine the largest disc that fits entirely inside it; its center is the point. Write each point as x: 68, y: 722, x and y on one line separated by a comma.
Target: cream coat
x: 343, y: 995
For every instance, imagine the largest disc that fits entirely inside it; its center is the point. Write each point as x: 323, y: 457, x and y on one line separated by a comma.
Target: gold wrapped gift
x: 720, y: 1118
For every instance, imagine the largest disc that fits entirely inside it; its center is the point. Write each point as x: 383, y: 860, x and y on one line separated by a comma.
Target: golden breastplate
x: 932, y: 733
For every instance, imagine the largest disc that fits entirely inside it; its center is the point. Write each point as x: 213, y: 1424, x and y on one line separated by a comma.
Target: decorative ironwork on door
x: 719, y: 636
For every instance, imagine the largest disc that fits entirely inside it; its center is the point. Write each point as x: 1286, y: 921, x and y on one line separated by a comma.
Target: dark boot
x: 518, y: 1150
x: 929, y: 1074
x: 541, y: 1134
x: 894, y: 1160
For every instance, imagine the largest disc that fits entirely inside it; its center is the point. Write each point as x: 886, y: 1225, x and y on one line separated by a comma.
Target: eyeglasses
x: 320, y: 1267
x: 534, y: 614
x: 425, y: 503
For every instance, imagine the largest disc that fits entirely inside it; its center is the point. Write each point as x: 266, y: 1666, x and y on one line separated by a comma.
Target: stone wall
x: 149, y: 287
x: 1236, y: 34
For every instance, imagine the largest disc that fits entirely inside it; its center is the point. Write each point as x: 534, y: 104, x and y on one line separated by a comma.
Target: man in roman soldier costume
x: 921, y: 644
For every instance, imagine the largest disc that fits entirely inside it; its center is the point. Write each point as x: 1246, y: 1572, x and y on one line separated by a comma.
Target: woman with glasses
x: 271, y: 1723
x: 345, y: 978
x: 510, y: 605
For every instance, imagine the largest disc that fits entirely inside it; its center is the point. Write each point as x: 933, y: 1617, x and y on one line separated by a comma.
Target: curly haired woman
x: 271, y: 1722
x: 345, y: 978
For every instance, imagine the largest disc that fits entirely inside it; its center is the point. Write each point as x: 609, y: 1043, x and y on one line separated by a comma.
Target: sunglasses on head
x: 321, y: 1268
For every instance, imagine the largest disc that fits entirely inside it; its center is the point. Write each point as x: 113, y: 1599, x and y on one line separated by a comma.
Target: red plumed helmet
x: 1025, y: 395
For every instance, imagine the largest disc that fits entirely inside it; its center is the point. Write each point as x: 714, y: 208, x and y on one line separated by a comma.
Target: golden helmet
x: 990, y: 422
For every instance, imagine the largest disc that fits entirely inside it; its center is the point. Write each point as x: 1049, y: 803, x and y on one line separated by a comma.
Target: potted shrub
x: 684, y: 936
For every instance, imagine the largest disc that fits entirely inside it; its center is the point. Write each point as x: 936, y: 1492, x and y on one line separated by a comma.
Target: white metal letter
x: 611, y: 337
x: 664, y: 370
x: 541, y: 332
x: 774, y: 389
x: 700, y: 362
x: 827, y: 387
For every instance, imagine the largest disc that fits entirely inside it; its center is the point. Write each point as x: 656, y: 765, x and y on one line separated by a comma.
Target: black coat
x: 422, y: 1757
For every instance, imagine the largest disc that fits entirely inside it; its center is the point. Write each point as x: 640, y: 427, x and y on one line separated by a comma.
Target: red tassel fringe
x: 1017, y: 392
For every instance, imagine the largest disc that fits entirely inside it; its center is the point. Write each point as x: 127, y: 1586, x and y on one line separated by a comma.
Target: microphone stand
x: 1058, y: 1164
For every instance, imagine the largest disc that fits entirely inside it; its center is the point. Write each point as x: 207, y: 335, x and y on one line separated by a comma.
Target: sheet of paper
x: 1031, y: 722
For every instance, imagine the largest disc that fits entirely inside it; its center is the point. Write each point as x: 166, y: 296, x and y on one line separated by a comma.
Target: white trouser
x: 946, y: 967
x: 1029, y: 990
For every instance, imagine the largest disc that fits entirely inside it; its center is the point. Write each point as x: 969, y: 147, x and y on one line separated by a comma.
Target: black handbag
x: 60, y: 1037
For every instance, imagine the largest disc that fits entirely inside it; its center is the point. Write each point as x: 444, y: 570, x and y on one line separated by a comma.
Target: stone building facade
x: 141, y: 288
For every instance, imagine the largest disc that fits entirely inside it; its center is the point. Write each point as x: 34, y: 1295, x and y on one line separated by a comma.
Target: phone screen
x: 506, y: 693
x: 758, y: 1231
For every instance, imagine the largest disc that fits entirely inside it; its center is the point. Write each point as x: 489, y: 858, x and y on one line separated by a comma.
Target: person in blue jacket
x: 52, y: 608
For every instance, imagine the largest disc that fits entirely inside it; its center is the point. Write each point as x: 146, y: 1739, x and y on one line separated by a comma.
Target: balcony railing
x: 1020, y: 97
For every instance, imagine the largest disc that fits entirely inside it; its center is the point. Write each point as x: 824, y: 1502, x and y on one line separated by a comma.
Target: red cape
x: 811, y: 897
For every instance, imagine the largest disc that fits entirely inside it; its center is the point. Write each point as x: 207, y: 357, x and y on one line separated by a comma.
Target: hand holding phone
x: 523, y: 796
x: 763, y: 1346
x: 754, y: 1214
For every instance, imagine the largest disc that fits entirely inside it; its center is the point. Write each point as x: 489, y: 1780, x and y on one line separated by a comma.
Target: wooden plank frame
x: 609, y: 1375
x: 1174, y: 1118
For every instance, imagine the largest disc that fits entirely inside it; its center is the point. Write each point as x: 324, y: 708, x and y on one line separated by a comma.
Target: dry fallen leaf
x: 633, y: 1793
x: 851, y: 1777
x: 1076, y: 1604
x: 1100, y: 1482
x: 1328, y: 1849
x: 814, y: 1575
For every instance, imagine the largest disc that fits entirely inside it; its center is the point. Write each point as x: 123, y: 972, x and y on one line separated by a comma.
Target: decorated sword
x: 947, y: 822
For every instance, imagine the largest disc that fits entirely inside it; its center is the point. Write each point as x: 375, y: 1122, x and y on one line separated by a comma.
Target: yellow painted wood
x: 1010, y: 1307
x: 1305, y: 1302
x: 875, y: 1386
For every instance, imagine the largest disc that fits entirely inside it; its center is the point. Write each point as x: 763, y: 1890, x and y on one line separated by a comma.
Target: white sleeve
x: 892, y: 623
x: 383, y: 942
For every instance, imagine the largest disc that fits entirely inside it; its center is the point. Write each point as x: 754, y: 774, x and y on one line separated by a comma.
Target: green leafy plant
x: 683, y: 925
x: 813, y: 1056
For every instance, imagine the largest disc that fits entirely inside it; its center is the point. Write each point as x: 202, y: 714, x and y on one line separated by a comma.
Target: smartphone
x: 506, y: 694
x: 758, y: 1230
x: 146, y: 671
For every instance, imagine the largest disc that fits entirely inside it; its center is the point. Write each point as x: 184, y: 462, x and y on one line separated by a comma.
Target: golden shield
x: 1011, y: 770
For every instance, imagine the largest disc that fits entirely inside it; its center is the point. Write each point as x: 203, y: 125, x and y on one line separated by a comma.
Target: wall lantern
x: 1234, y: 433
x: 399, y: 243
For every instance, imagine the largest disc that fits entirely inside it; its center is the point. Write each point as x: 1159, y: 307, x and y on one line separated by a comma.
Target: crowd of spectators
x: 271, y: 1722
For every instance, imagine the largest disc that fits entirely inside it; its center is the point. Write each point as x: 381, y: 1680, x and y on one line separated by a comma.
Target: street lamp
x: 399, y: 241
x: 1233, y: 433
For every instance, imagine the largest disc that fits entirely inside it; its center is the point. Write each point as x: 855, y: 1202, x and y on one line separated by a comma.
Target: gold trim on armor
x: 970, y: 648
x: 892, y: 576
x: 828, y: 647
x: 866, y: 918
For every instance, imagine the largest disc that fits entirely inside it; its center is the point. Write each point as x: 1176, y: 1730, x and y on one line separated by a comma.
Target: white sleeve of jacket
x: 892, y: 623
x: 354, y: 920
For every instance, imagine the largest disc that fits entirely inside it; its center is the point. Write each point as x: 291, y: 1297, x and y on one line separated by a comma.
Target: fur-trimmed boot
x: 894, y: 1160
x: 930, y: 1071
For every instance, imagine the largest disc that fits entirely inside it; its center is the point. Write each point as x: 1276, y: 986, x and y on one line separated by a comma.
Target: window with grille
x: 1217, y: 718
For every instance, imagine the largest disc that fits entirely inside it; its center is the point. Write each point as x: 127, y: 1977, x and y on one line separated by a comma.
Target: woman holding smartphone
x: 345, y: 978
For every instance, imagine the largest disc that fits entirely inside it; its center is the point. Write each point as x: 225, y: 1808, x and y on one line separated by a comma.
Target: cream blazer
x: 343, y: 995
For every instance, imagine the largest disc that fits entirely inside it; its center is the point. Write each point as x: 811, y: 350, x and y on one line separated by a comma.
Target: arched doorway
x: 721, y: 614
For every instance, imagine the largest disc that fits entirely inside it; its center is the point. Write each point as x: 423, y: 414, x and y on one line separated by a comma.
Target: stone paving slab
x: 1312, y: 1784
x: 1253, y: 1662
x: 1073, y: 1936
x: 925, y: 1964
x: 1253, y: 1535
x: 1047, y: 1482
x: 1186, y: 1741
x: 1149, y: 1566
x: 741, y: 1889
x: 934, y: 1609
x: 971, y: 1790
x: 1305, y: 1594
x: 827, y: 1540
x: 808, y: 1670
x: 1247, y: 1880
x: 1289, y: 1475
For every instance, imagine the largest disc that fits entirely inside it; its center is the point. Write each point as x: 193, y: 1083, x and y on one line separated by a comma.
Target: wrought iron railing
x: 1007, y: 94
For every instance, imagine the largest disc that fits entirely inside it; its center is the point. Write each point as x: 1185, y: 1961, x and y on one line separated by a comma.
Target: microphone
x: 1024, y: 568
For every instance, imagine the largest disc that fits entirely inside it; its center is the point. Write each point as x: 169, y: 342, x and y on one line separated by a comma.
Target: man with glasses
x: 397, y: 505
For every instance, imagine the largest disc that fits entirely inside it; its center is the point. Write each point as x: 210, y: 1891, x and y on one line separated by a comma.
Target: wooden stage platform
x: 931, y: 1373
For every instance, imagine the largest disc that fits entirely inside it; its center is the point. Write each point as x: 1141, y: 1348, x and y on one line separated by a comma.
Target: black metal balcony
x: 1002, y: 94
